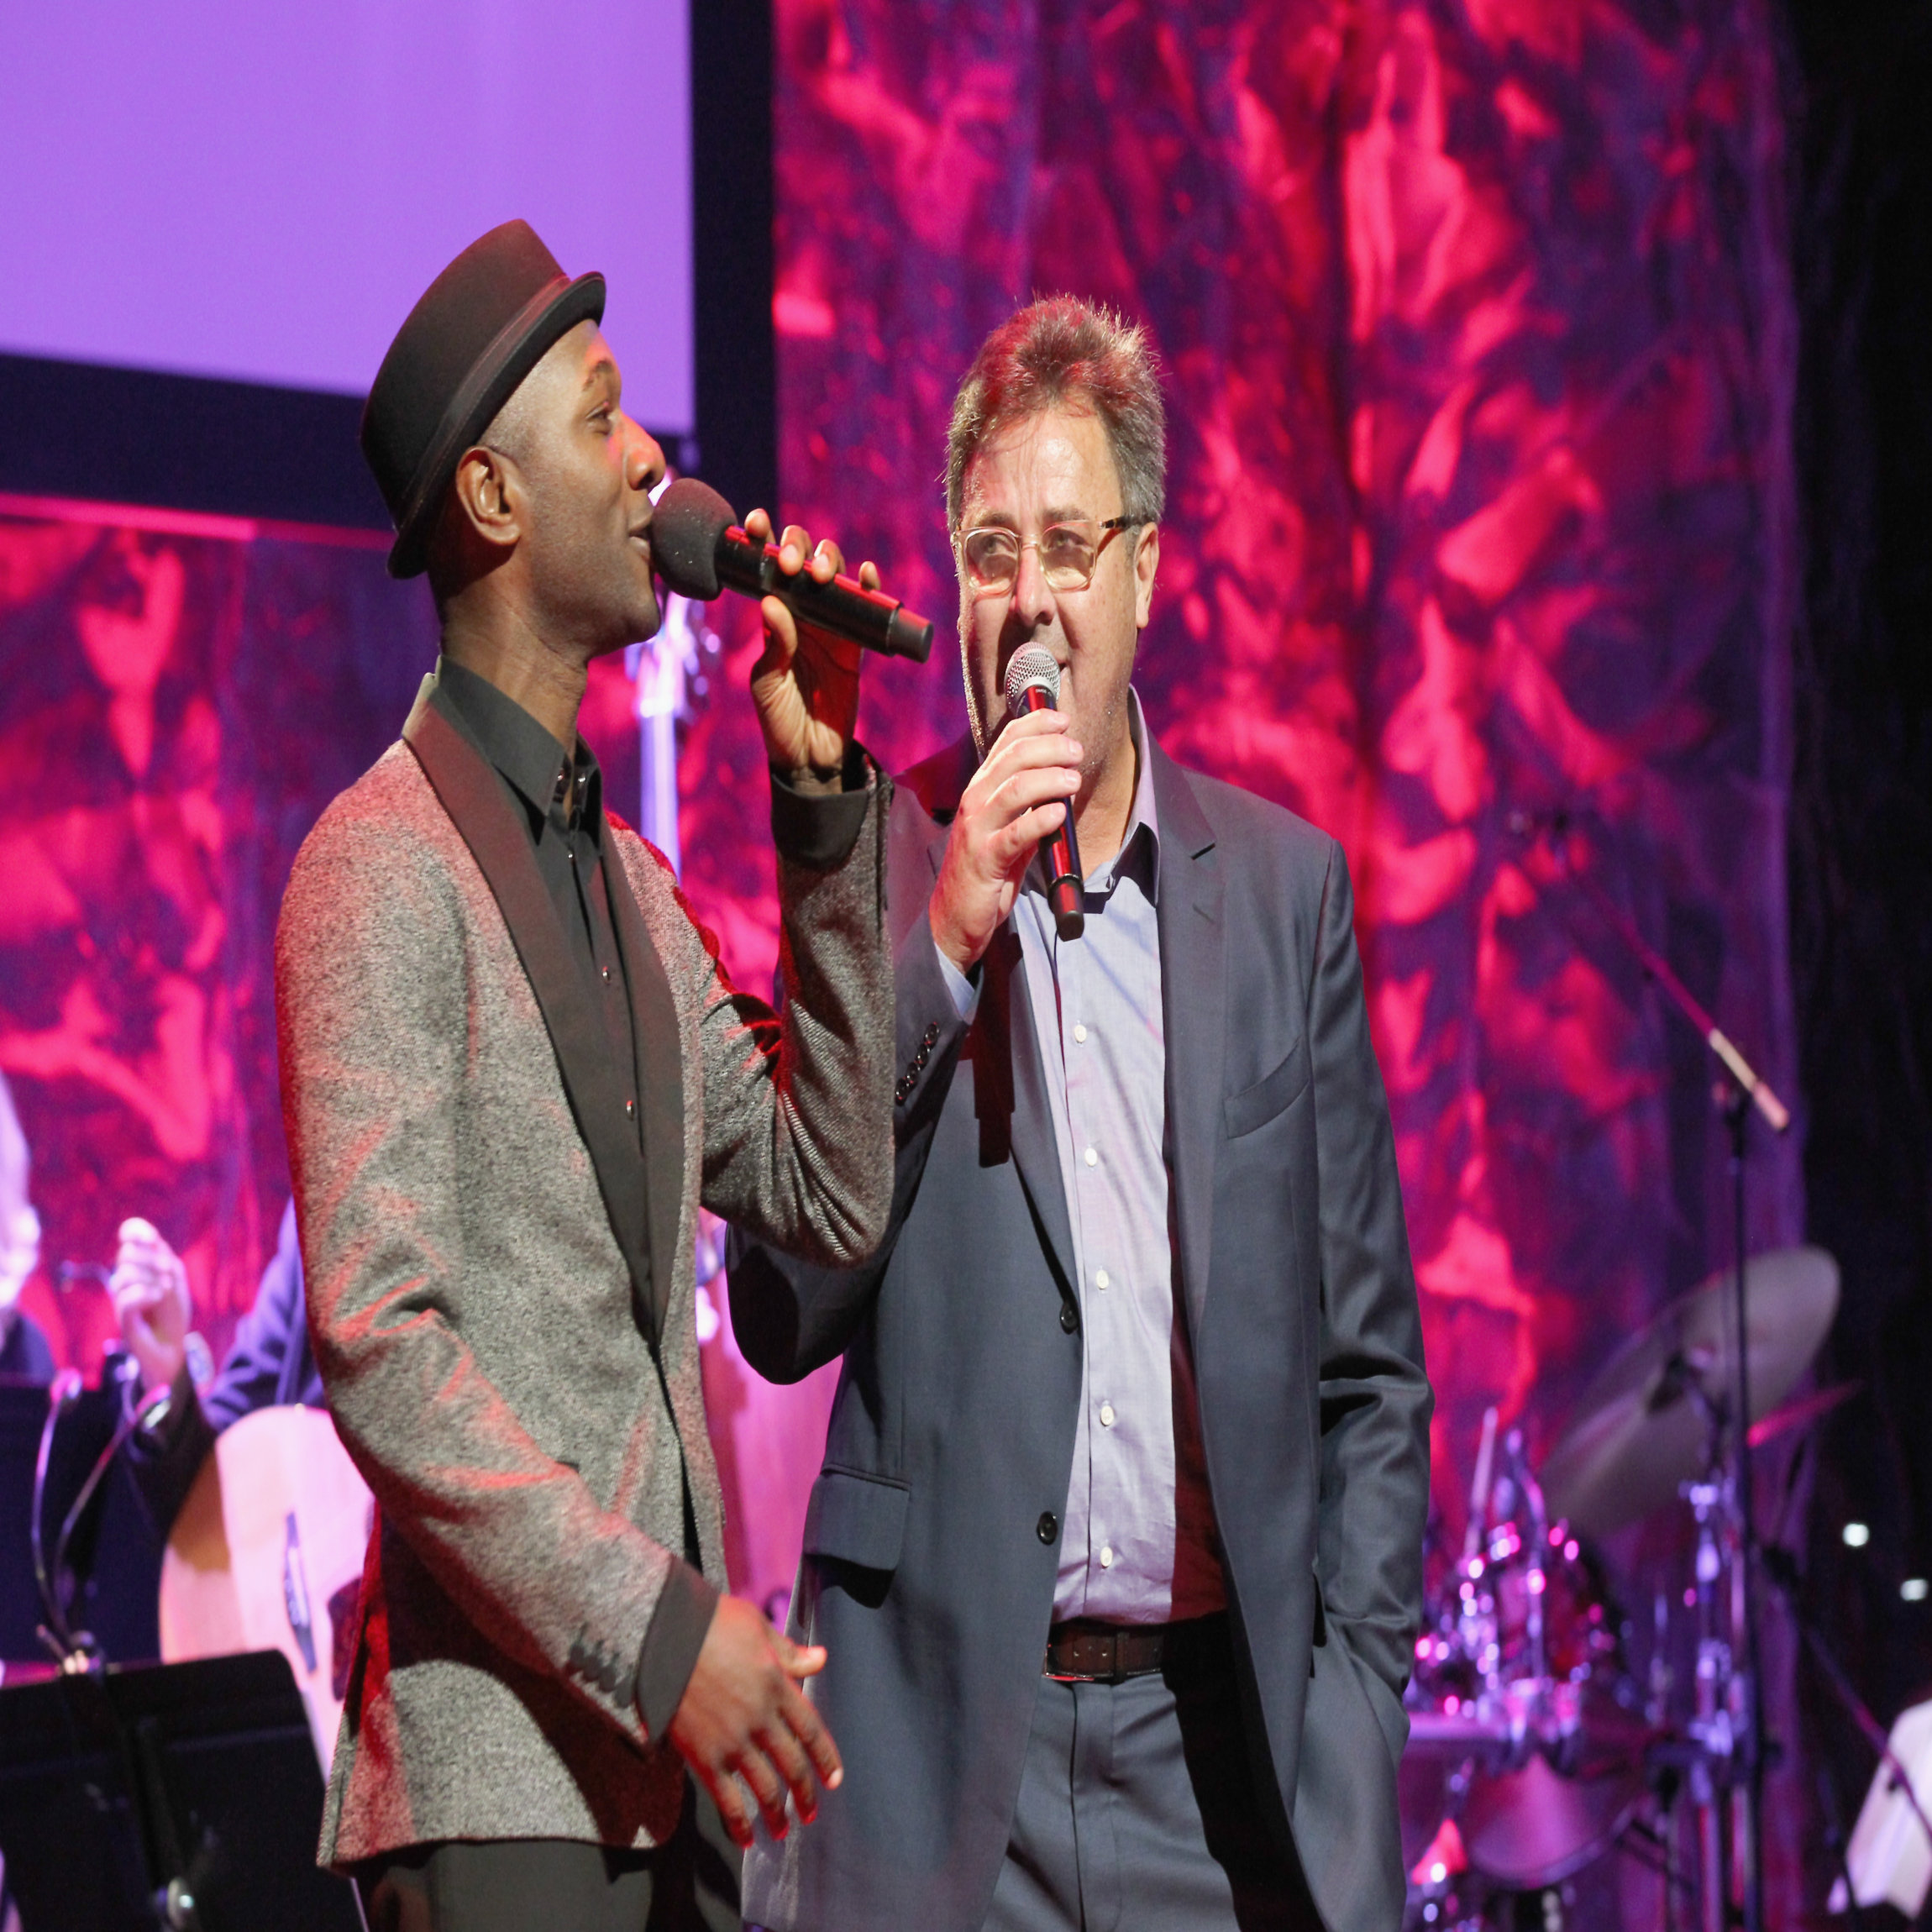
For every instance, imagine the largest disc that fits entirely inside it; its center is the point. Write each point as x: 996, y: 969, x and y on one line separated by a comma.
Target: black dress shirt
x: 562, y: 797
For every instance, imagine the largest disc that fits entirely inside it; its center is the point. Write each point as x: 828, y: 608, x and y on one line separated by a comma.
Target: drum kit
x: 1535, y: 1748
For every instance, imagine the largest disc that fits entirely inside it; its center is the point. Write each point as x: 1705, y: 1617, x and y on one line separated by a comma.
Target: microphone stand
x: 1740, y: 1090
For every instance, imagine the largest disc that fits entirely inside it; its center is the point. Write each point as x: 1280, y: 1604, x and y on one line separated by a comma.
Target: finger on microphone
x: 794, y: 548
x: 780, y: 635
x: 758, y: 527
x: 869, y: 575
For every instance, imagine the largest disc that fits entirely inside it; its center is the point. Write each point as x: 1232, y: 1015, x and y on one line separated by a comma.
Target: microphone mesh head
x: 1031, y: 668
x: 689, y: 518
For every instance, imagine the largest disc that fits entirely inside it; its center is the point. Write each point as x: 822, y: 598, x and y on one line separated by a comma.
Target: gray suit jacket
x: 530, y: 1419
x: 952, y: 1430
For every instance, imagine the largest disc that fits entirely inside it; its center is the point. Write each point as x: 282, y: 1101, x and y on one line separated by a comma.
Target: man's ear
x: 1147, y: 562
x: 490, y: 496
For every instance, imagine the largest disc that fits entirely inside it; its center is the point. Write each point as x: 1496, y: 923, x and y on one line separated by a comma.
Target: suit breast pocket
x: 1272, y: 1094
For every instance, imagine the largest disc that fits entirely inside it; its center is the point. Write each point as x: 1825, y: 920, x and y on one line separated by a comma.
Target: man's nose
x: 1032, y: 596
x: 644, y: 460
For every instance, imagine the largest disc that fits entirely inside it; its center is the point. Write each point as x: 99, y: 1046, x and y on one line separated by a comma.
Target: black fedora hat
x: 481, y: 327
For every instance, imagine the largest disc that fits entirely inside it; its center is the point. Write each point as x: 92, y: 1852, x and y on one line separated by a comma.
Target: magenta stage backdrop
x: 1480, y: 343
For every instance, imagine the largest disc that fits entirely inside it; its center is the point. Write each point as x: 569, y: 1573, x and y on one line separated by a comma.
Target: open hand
x: 1022, y: 791
x: 806, y: 683
x: 149, y: 1289
x: 743, y: 1716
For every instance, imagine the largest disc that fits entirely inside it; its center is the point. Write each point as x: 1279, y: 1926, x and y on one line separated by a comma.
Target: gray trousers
x: 690, y: 1884
x: 1138, y: 1812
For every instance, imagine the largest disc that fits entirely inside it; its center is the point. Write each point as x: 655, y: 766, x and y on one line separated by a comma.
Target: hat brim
x: 518, y: 347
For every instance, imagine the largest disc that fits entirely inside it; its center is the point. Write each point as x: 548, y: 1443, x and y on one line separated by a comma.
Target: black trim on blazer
x: 479, y: 807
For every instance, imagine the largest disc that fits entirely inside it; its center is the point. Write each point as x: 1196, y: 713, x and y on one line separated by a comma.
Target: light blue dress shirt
x: 1138, y: 1541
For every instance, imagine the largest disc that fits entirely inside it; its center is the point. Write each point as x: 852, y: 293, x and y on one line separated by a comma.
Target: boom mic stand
x: 1740, y: 1089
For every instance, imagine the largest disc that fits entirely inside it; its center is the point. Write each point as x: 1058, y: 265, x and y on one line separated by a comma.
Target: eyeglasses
x: 1068, y: 553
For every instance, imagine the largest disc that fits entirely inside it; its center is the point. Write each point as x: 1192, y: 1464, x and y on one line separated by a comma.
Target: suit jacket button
x: 1069, y: 1316
x: 1047, y: 1529
x: 931, y: 1036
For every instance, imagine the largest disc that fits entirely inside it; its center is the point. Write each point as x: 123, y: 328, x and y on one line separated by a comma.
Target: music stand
x: 185, y: 1796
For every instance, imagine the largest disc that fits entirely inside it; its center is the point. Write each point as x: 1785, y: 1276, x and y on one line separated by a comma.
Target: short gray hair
x: 1061, y: 351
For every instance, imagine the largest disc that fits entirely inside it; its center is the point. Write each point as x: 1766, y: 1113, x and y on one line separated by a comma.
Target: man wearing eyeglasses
x: 1117, y: 1550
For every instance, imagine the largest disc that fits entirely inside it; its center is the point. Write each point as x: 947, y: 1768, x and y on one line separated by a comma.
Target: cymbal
x: 1639, y: 1430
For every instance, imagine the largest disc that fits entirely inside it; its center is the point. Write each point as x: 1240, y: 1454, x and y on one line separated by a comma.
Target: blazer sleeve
x: 798, y: 1103
x: 1375, y: 1397
x: 374, y: 1026
x: 791, y: 1317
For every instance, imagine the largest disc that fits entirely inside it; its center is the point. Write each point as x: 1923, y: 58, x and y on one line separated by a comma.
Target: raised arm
x: 791, y: 1317
x: 798, y: 1104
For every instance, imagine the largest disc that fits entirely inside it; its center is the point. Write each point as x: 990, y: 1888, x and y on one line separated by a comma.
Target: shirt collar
x: 527, y: 755
x: 1140, y: 853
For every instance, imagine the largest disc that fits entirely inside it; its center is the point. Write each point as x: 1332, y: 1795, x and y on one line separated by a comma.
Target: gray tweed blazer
x: 530, y: 1421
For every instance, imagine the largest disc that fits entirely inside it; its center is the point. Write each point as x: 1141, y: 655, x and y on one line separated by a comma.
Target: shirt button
x: 1106, y: 1415
x: 1080, y: 1034
x: 1092, y: 1159
x: 1048, y: 1527
x: 1102, y: 1279
x: 1106, y: 1556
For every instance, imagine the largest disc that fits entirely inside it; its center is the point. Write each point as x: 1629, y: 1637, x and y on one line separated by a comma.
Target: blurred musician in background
x: 24, y: 1349
x: 268, y: 1363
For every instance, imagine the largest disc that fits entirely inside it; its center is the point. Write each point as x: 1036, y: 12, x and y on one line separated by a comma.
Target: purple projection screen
x: 261, y: 193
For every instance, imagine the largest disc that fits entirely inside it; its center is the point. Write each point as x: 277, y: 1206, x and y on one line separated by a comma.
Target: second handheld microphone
x: 698, y: 548
x: 1033, y: 685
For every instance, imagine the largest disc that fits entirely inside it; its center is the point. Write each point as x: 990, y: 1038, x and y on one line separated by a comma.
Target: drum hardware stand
x: 1739, y: 1090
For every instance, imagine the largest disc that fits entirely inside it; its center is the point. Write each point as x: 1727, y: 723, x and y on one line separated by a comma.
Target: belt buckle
x: 1093, y: 1658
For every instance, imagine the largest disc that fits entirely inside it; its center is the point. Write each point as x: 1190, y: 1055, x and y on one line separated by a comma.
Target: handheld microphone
x: 1033, y: 685
x: 699, y: 548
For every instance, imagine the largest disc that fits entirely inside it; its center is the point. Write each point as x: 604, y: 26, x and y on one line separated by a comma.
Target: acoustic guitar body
x: 267, y: 1554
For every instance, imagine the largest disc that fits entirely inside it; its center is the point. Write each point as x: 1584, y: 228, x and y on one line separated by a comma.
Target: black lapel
x: 483, y: 812
x: 655, y: 1035
x: 1193, y: 1004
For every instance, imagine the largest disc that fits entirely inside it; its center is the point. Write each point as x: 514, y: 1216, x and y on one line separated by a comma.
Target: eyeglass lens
x: 1067, y: 553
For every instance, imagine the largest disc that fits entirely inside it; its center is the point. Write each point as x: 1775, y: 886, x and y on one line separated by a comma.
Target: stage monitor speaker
x: 185, y: 1796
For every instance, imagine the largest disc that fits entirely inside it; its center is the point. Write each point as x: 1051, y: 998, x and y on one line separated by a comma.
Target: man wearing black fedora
x: 512, y: 1067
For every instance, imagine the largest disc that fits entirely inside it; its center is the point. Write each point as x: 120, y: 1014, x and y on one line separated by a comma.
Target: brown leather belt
x: 1082, y: 1651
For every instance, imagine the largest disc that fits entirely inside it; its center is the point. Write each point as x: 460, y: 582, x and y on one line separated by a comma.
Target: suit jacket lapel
x: 1020, y: 1101
x: 654, y: 1033
x: 1036, y: 1148
x: 484, y: 813
x: 1193, y: 1003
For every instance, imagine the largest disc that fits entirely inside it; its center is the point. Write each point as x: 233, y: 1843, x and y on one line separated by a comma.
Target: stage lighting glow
x: 1856, y: 1536
x: 1914, y: 1589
